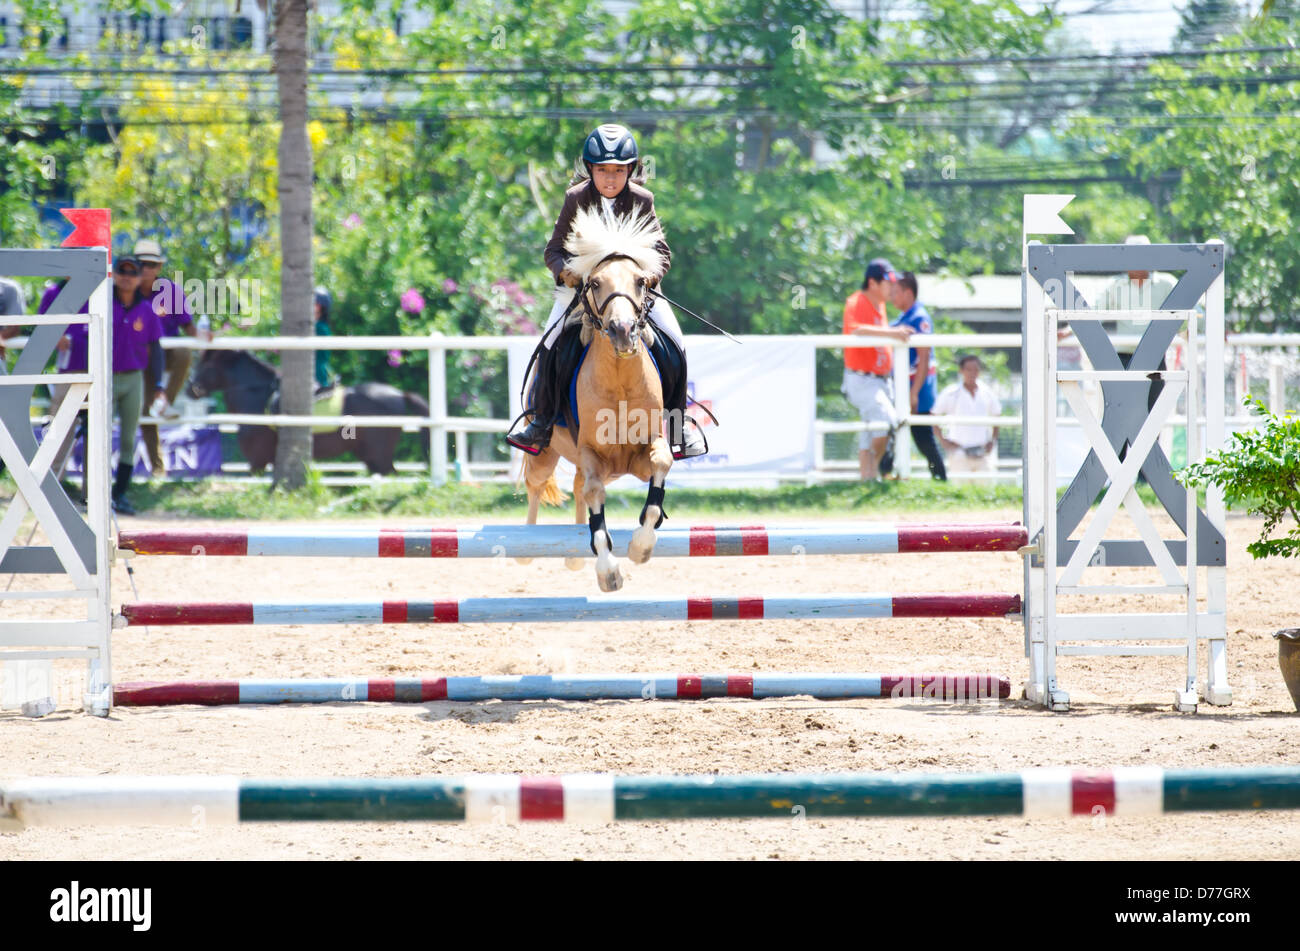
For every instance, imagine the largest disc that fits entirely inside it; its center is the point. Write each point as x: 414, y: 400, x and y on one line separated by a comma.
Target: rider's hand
x: 569, y: 278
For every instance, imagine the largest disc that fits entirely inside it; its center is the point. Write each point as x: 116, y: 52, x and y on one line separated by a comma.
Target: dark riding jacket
x: 633, y: 199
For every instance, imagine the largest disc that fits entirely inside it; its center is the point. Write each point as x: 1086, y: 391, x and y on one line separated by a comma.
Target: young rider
x: 613, y: 168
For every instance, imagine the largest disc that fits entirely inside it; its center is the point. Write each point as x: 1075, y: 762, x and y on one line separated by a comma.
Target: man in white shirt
x: 971, y: 447
x: 12, y: 304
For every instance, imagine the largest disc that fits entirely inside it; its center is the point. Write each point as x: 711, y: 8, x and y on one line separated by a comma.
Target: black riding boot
x: 122, y: 482
x: 683, y: 435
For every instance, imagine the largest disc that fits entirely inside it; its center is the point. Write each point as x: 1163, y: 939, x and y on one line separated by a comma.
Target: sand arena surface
x: 1122, y: 709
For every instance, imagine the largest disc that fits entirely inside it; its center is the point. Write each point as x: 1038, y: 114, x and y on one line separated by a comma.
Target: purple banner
x: 192, y: 452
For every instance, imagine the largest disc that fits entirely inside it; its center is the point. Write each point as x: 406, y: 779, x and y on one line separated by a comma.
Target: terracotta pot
x: 1288, y: 658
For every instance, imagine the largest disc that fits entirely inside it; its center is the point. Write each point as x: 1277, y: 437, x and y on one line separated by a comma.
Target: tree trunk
x: 297, y: 317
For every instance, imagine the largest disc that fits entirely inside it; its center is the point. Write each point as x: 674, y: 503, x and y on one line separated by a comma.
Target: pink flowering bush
x: 412, y: 302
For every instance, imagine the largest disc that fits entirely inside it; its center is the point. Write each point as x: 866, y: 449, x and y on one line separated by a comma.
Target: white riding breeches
x: 661, y: 315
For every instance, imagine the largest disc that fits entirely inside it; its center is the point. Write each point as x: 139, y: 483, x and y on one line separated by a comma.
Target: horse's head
x: 212, y: 373
x: 617, y: 302
x: 616, y: 257
x: 237, y: 371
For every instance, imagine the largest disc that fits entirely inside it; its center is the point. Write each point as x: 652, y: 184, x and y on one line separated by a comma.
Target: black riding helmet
x: 611, y: 144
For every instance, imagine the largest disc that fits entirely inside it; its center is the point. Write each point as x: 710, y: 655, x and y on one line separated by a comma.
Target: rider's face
x: 609, y: 179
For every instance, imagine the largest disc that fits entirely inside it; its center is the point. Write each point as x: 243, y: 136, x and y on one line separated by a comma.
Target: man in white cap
x: 169, y: 305
x: 1137, y: 290
x: 13, y: 303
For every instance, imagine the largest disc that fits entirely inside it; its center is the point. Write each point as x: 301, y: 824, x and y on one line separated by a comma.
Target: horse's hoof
x: 574, y: 564
x: 610, y: 581
x: 639, y: 550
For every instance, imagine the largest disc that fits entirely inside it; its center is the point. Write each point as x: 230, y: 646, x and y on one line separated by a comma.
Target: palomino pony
x: 251, y: 383
x: 620, y: 404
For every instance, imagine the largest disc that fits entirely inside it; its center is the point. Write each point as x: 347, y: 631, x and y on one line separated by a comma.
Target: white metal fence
x: 1244, y: 350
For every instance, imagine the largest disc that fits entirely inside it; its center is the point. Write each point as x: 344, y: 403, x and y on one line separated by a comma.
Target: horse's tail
x: 416, y: 406
x: 551, y: 493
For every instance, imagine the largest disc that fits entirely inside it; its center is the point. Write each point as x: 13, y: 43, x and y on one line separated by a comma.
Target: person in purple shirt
x: 174, y: 315
x: 137, y: 361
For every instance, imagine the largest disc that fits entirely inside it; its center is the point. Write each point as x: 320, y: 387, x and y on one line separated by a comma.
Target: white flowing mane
x: 596, y: 235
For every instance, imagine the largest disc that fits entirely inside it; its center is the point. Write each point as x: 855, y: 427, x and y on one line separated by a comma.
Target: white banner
x: 764, y: 395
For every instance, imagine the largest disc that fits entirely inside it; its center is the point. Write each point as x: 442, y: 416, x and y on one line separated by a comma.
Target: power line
x: 403, y: 68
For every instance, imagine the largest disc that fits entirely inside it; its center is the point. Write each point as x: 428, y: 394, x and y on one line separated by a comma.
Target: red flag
x: 91, y: 228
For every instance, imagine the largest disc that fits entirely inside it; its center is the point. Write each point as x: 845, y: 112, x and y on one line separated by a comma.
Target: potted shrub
x: 1260, y: 471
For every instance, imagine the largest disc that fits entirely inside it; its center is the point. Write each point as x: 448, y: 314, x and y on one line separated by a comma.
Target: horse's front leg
x: 608, y: 575
x: 659, y: 459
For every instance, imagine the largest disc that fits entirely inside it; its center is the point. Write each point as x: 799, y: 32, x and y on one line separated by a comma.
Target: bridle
x: 642, y: 307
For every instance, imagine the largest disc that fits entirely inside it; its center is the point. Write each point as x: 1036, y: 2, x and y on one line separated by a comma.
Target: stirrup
x: 679, y: 452
x: 538, y: 443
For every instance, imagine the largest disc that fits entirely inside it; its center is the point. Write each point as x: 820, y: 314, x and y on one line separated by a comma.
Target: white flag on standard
x: 1043, y: 214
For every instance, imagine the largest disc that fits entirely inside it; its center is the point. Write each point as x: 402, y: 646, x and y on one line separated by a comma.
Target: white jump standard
x: 1139, y: 395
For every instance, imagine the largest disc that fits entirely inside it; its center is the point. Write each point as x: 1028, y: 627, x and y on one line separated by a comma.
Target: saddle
x: 568, y: 355
x: 325, y: 402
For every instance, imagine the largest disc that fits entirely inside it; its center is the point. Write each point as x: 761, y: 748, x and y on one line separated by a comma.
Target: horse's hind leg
x: 539, y: 471
x: 659, y: 459
x: 608, y: 575
x: 579, y: 516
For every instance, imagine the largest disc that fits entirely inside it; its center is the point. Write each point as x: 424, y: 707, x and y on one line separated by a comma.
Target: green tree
x: 1225, y: 131
x: 1207, y: 22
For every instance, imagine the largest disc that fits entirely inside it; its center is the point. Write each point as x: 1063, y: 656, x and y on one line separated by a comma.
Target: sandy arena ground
x: 1122, y: 711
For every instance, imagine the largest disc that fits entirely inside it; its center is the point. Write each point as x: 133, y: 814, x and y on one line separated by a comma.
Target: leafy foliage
x: 1229, y: 144
x: 1260, y: 471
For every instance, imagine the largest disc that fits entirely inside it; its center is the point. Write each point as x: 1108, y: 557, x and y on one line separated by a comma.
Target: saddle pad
x: 330, y: 404
x: 571, y: 411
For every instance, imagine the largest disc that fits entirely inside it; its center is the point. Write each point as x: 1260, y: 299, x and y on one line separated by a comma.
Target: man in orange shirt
x: 868, y: 371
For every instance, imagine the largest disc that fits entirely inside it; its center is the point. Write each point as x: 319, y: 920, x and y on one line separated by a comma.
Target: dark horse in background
x: 251, y: 385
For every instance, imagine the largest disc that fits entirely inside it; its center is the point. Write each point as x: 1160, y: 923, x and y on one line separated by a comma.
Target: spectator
x: 72, y: 358
x: 136, y: 355
x: 1138, y: 290
x: 868, y: 371
x: 175, y: 318
x: 324, y: 374
x: 972, y: 447
x: 924, y: 385
x: 13, y: 303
